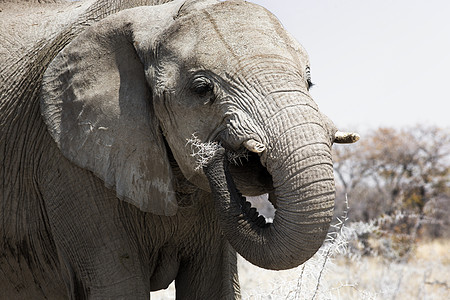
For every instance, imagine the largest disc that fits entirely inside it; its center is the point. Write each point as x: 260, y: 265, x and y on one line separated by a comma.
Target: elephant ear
x: 98, y: 108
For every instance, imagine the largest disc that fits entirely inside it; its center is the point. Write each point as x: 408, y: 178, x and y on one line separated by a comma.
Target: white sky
x: 374, y: 63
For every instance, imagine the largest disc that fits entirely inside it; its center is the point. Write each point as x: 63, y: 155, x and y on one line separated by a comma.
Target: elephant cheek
x: 187, y: 164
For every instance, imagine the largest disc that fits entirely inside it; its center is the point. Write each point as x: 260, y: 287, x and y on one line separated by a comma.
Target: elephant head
x: 125, y: 96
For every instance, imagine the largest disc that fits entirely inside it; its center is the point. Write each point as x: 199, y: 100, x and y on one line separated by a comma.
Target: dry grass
x: 435, y: 248
x: 425, y: 276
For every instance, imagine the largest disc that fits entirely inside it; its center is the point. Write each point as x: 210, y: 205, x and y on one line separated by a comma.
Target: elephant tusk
x: 254, y: 146
x: 345, y: 137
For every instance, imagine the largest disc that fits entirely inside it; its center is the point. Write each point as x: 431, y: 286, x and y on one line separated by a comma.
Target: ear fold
x: 98, y: 108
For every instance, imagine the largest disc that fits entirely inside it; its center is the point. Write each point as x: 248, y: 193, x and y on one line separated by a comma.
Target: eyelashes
x: 202, y: 86
x: 308, y: 78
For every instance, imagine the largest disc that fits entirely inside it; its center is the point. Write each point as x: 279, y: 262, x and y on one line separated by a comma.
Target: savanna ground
x: 424, y: 276
x: 338, y: 272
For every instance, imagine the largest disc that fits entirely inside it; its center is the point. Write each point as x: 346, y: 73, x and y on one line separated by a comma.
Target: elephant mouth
x: 247, y: 176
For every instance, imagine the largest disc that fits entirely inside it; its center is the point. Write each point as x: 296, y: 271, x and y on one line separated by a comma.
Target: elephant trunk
x: 299, y: 161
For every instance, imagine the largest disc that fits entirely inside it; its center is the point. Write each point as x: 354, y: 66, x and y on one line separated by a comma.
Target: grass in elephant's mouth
x: 202, y: 152
x: 238, y: 158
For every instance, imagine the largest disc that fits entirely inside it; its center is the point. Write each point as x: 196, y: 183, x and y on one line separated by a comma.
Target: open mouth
x: 245, y: 175
x: 252, y: 179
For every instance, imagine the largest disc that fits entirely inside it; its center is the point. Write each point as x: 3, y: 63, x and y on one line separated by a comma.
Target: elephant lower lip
x: 253, y: 215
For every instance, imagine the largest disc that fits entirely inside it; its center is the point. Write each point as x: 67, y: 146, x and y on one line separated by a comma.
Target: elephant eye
x: 202, y: 86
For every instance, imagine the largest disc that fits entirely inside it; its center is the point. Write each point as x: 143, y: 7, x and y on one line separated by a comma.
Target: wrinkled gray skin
x: 100, y: 197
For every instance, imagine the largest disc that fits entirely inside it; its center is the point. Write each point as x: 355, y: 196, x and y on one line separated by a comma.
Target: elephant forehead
x: 223, y: 34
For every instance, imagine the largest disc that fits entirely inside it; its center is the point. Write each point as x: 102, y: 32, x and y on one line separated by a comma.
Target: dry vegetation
x: 345, y: 276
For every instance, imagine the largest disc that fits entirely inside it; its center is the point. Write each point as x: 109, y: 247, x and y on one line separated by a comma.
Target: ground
x: 426, y: 275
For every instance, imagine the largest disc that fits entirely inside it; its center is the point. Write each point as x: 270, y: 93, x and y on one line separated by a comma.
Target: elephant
x: 129, y: 137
